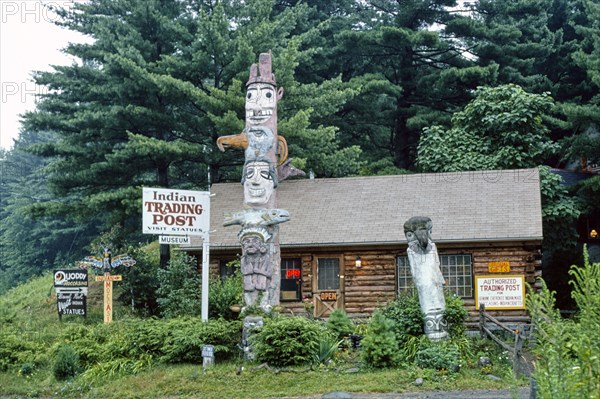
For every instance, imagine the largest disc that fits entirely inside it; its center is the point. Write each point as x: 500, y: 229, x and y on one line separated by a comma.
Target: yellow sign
x: 328, y: 296
x: 107, y: 301
x: 108, y: 277
x: 499, y: 267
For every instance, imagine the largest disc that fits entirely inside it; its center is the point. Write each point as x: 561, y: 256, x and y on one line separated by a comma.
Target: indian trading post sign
x: 500, y: 292
x: 176, y: 212
x: 71, y: 291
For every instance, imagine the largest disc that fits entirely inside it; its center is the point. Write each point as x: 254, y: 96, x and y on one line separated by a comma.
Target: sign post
x: 106, y: 263
x: 108, y: 296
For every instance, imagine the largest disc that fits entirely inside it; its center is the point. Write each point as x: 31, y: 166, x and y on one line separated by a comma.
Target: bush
x: 179, y: 293
x: 379, y: 346
x: 340, y: 324
x: 66, y: 363
x: 187, y: 336
x: 225, y: 292
x: 456, y: 314
x: 405, y: 314
x: 567, y: 364
x: 438, y: 356
x: 287, y: 341
x: 16, y: 349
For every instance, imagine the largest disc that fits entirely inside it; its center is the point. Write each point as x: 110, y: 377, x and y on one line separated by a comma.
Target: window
x: 291, y: 279
x: 328, y: 270
x: 225, y: 270
x: 456, y: 269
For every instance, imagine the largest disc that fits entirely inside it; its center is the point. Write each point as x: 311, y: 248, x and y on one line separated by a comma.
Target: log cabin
x: 344, y: 247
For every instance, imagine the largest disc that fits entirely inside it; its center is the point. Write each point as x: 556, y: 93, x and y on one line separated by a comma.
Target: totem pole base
x: 251, y: 325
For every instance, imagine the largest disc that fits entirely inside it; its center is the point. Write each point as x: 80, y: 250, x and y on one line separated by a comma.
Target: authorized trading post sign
x: 175, y: 212
x: 500, y: 291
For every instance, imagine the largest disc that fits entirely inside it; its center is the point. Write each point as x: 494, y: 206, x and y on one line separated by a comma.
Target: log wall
x: 374, y: 284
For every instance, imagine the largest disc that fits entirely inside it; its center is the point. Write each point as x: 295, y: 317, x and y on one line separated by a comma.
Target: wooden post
x: 108, y: 297
x: 517, y: 352
x: 482, y: 320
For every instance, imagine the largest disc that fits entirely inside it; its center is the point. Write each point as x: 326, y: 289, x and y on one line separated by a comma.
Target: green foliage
x: 225, y: 292
x: 438, y: 356
x: 187, y: 336
x: 567, y: 349
x: 455, y: 314
x: 328, y: 346
x: 17, y: 348
x: 340, y: 324
x: 140, y: 282
x: 66, y: 363
x: 501, y: 128
x: 405, y: 314
x: 180, y: 292
x: 288, y: 341
x: 559, y: 212
x: 380, y: 346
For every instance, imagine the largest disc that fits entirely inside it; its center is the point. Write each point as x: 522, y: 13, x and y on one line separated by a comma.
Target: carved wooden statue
x: 427, y: 276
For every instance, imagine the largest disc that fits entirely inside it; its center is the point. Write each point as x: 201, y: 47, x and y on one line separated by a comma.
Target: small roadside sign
x: 116, y: 277
x: 70, y: 278
x: 170, y: 240
x: 72, y: 290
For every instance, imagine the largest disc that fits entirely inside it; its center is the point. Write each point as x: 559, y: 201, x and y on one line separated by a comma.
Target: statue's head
x: 262, y: 93
x: 417, y: 229
x: 259, y: 180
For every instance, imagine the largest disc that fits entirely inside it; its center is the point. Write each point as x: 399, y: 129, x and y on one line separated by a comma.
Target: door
x: 328, y: 289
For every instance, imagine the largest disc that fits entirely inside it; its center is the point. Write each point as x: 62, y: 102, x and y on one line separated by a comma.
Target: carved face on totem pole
x: 259, y: 180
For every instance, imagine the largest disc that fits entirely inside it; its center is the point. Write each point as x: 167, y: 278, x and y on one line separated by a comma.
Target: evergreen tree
x: 410, y: 73
x: 30, y: 245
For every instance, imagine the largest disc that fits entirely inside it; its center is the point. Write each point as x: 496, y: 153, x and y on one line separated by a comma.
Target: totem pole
x: 265, y: 151
x: 425, y: 269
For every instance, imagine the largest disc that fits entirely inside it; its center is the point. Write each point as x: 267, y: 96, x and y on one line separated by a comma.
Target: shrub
x: 16, y: 349
x: 456, y: 314
x: 379, y: 346
x: 567, y: 363
x: 66, y: 363
x: 287, y: 341
x: 328, y: 346
x: 225, y: 292
x: 438, y: 356
x: 179, y: 293
x: 187, y: 336
x: 405, y: 314
x: 340, y: 324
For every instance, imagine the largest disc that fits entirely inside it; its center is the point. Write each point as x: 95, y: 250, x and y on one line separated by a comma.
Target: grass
x: 223, y: 381
x: 28, y: 315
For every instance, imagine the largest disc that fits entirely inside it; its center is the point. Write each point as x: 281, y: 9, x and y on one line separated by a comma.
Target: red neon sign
x: 294, y: 273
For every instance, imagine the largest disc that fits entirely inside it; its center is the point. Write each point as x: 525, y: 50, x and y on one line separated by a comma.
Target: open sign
x: 293, y: 273
x: 328, y: 296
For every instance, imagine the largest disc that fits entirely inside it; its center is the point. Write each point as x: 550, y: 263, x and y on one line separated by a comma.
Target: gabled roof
x: 464, y: 207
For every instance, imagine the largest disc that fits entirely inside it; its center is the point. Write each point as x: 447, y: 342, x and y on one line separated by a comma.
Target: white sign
x: 178, y: 212
x: 500, y: 292
x: 72, y: 290
x: 173, y: 240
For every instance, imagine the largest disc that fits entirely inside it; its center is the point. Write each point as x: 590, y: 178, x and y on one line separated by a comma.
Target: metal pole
x: 205, y: 275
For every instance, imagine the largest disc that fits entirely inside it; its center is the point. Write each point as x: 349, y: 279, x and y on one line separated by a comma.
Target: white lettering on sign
x: 173, y: 240
x: 495, y: 292
x: 175, y: 211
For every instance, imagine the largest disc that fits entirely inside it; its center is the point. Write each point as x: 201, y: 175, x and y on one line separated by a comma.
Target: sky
x: 29, y: 41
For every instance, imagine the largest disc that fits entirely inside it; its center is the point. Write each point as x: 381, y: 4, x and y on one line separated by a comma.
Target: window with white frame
x: 456, y: 269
